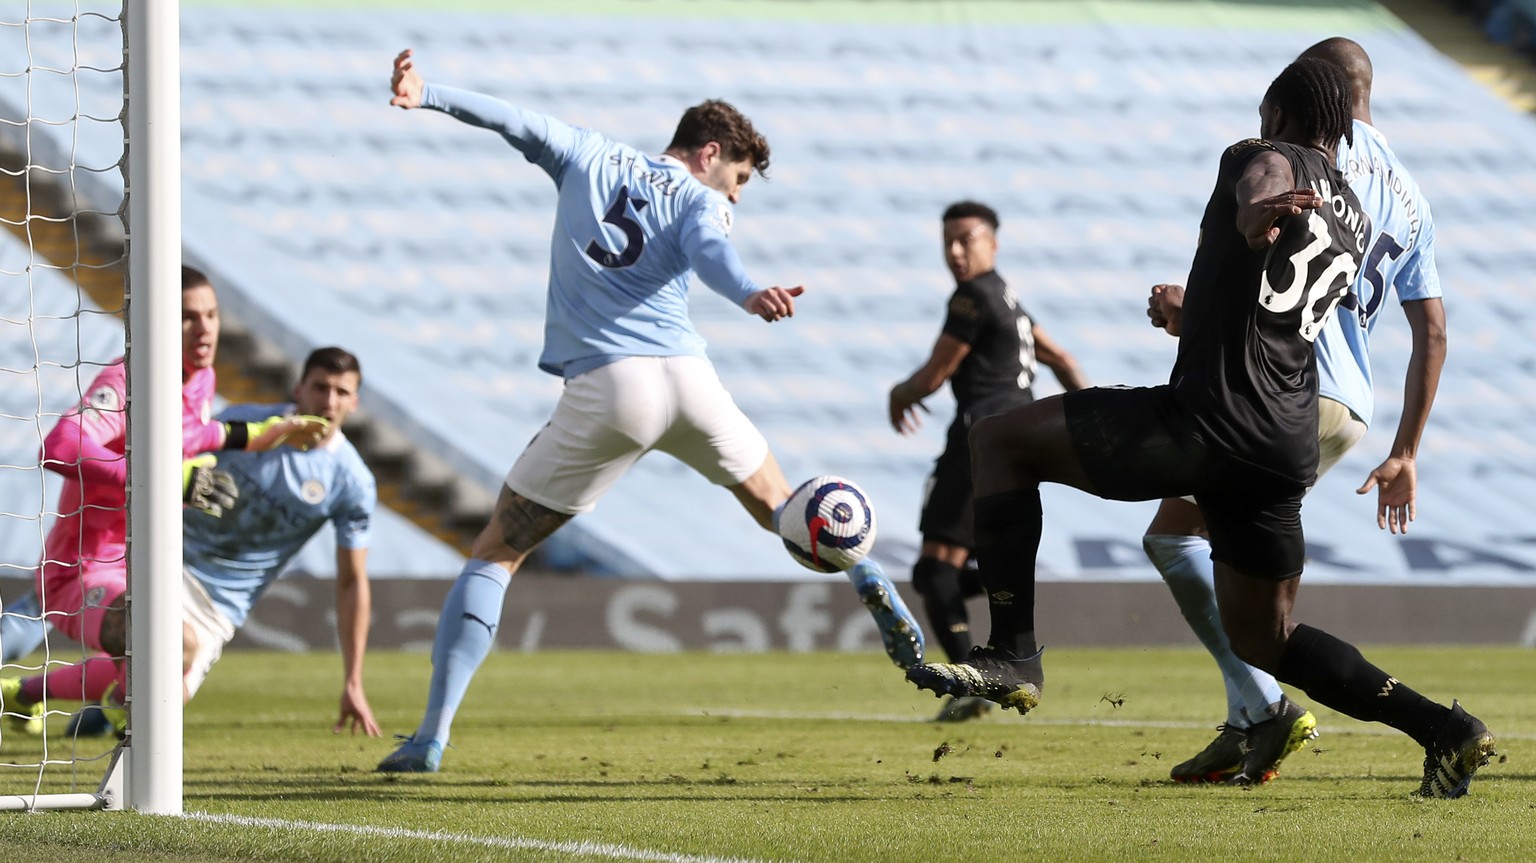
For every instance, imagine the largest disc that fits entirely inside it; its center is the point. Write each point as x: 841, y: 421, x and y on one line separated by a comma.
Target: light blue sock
x: 465, y: 631
x: 21, y: 628
x: 1185, y: 562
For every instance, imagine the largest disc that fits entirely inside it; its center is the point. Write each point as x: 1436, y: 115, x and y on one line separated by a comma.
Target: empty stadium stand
x: 1093, y: 128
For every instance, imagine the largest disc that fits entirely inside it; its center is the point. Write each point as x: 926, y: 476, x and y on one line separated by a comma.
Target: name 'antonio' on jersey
x: 629, y: 231
x: 1246, y: 368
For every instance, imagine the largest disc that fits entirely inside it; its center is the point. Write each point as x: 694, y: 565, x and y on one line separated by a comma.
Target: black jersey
x: 1246, y: 368
x: 998, y: 371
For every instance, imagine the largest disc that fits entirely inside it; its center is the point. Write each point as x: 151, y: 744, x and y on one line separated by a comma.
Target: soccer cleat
x: 413, y: 757
x: 114, y: 712
x: 1268, y: 742
x: 116, y: 717
x: 898, y: 628
x: 963, y: 709
x: 988, y: 672
x: 1461, y: 747
x: 1217, y: 762
x: 89, y: 721
x: 19, y: 717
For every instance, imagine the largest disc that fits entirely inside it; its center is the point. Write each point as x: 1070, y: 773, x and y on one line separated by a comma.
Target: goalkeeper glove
x: 207, y: 488
x: 299, y: 432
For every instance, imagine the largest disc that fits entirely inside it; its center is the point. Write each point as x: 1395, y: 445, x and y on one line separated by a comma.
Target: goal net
x: 79, y: 232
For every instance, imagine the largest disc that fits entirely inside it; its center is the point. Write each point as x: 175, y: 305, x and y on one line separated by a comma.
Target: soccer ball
x: 828, y: 524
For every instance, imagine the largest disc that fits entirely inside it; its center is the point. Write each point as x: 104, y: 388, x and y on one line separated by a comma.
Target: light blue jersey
x: 1400, y: 257
x: 629, y: 230
x: 285, y: 496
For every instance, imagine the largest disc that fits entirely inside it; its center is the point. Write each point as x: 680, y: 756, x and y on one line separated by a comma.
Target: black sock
x: 1008, y: 529
x: 1333, y: 673
x: 944, y: 601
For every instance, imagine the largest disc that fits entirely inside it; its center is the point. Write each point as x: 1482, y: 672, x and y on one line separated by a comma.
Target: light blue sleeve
x: 542, y: 139
x: 1420, y: 277
x: 713, y: 258
x: 354, y: 522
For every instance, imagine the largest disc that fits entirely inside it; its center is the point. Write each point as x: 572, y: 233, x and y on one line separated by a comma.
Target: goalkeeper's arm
x: 299, y: 431
x: 207, y: 488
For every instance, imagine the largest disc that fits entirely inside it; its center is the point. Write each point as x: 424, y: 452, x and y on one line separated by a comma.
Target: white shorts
x: 611, y: 416
x: 211, y: 628
x: 1338, y: 430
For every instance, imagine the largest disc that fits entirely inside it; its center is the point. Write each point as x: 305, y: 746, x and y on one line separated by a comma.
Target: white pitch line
x: 1364, y: 728
x: 508, y: 843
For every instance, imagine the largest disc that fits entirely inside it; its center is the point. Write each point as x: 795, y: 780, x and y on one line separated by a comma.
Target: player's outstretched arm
x: 1267, y: 193
x: 405, y: 84
x: 1062, y: 364
x: 773, y: 303
x: 906, y: 398
x: 1397, y: 478
x: 299, y: 431
x: 354, y: 605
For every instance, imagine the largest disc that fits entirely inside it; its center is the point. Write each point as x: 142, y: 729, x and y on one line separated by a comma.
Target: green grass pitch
x: 587, y: 756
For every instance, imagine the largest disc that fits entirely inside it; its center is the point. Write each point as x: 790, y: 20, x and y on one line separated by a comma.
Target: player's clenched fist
x: 1165, y: 307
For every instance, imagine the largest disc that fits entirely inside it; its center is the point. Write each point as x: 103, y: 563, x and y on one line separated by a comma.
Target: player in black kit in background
x: 1236, y: 426
x: 988, y: 350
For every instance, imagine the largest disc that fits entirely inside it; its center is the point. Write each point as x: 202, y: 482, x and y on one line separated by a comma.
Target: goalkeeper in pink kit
x: 83, y: 575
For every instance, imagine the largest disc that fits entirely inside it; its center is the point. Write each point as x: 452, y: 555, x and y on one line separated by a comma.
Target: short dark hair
x: 1316, y: 94
x: 720, y: 122
x: 971, y: 210
x: 192, y: 277
x: 334, y: 360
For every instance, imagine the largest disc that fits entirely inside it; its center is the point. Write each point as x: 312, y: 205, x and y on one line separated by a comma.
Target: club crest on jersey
x: 104, y: 399
x: 94, y: 596
x: 312, y: 491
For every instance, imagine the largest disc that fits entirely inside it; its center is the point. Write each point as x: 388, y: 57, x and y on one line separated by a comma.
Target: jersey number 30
x: 1317, y: 294
x: 634, y: 238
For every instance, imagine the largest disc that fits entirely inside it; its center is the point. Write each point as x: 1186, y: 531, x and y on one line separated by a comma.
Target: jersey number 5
x: 634, y: 238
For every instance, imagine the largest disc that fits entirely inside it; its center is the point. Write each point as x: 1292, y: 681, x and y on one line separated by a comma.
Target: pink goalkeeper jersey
x: 199, y: 433
x: 86, y: 448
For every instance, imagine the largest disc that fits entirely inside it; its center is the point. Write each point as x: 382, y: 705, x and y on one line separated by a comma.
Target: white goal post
x: 145, y: 772
x: 152, y: 101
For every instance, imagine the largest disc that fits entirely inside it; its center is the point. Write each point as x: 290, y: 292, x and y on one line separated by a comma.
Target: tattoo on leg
x: 524, y: 524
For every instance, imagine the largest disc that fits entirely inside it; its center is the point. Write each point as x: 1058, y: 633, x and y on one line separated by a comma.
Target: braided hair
x: 1315, y: 94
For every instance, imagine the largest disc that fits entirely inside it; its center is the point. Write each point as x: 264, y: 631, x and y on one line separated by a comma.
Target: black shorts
x: 948, y: 497
x: 1137, y: 444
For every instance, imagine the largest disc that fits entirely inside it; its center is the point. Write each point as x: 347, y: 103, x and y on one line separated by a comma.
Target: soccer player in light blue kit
x: 286, y: 495
x: 1263, y: 725
x: 629, y: 231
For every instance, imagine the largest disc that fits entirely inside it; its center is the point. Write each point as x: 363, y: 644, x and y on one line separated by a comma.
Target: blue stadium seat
x: 421, y: 243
